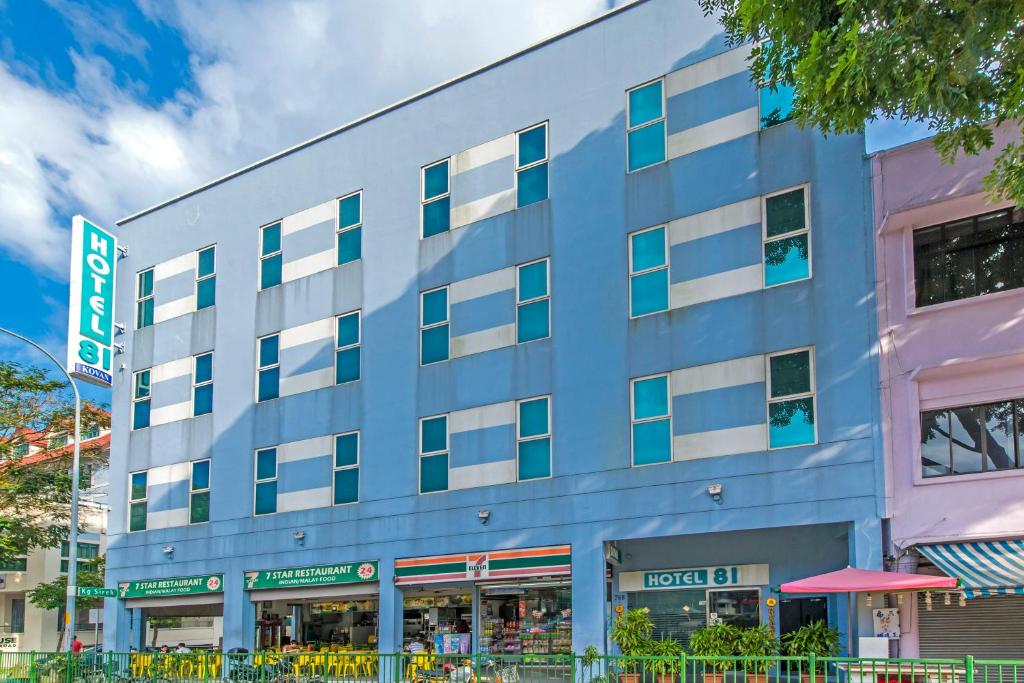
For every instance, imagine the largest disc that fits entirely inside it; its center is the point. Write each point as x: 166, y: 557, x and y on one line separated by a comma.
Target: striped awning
x: 984, y: 568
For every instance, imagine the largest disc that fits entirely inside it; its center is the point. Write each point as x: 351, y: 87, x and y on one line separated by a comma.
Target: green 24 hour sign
x: 91, y: 304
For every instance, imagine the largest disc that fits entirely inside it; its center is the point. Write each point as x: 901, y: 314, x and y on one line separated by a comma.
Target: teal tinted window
x: 140, y: 414
x: 269, y: 350
x: 201, y: 475
x: 346, y: 486
x: 533, y: 321
x: 648, y: 293
x: 786, y: 260
x: 269, y: 384
x: 645, y: 104
x: 533, y: 145
x: 266, y: 463
x: 435, y: 306
x: 202, y: 400
x: 350, y: 245
x: 652, y: 442
x: 346, y: 366
x: 204, y: 368
x: 142, y: 384
x: 785, y: 213
x: 534, y: 459
x: 532, y: 185
x: 270, y: 272
x: 434, y: 434
x: 266, y: 498
x: 436, y: 217
x: 207, y: 262
x: 434, y: 473
x: 791, y: 423
x: 790, y: 373
x: 206, y: 293
x: 199, y: 508
x: 145, y: 284
x: 346, y: 450
x: 271, y: 239
x: 349, y: 209
x: 650, y: 397
x: 533, y: 417
x: 348, y: 329
x: 144, y: 313
x: 533, y: 280
x: 647, y: 250
x: 776, y: 104
x: 646, y: 146
x: 137, y: 517
x: 434, y: 345
x: 138, y: 490
x: 435, y: 180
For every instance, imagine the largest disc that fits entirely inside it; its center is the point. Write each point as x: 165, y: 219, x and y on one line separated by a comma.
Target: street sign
x: 95, y: 592
x: 91, y: 304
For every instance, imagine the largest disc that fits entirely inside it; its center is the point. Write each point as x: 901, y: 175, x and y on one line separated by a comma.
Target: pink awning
x: 852, y: 580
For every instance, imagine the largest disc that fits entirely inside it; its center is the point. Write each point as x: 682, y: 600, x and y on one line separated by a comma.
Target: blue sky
x: 112, y: 106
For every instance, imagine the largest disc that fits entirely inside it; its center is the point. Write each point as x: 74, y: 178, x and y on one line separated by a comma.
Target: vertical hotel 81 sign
x: 91, y: 306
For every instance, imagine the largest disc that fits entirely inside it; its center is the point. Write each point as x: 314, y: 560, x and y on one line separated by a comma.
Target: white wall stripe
x: 304, y: 500
x: 720, y: 442
x: 729, y: 373
x: 484, y: 154
x: 717, y: 286
x: 308, y: 218
x: 714, y: 133
x: 165, y: 519
x: 484, y: 340
x: 294, y: 451
x: 303, y: 334
x: 176, y: 265
x: 171, y: 369
x: 167, y: 474
x: 485, y: 474
x: 482, y: 285
x: 482, y: 417
x: 716, y: 221
x: 171, y: 413
x: 307, y: 265
x: 174, y: 309
x: 708, y: 71
x: 309, y: 381
x: 485, y: 207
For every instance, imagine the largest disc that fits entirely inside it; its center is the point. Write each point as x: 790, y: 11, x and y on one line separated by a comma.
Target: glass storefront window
x: 526, y: 620
x: 678, y: 613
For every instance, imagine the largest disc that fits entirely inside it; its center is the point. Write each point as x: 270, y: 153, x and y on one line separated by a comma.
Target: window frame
x: 1017, y: 437
x: 256, y: 481
x: 195, y: 385
x: 812, y: 394
x: 262, y: 368
x: 806, y: 230
x: 148, y: 298
x: 204, y: 278
x: 634, y: 421
x: 423, y: 193
x: 65, y: 555
x: 549, y: 435
x: 339, y: 229
x: 338, y: 348
x: 147, y: 399
x: 521, y: 303
x: 265, y: 257
x: 135, y: 501
x: 335, y: 468
x: 662, y: 118
x: 630, y: 274
x: 545, y: 160
x: 447, y: 321
x: 447, y: 452
x: 193, y: 491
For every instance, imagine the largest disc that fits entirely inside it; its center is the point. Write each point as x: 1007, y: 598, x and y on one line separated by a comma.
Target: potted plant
x: 715, y: 645
x: 816, y: 637
x: 591, y: 674
x: 632, y: 633
x: 665, y: 660
x: 762, y: 647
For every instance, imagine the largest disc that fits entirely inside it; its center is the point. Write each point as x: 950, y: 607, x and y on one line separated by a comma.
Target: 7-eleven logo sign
x: 476, y: 566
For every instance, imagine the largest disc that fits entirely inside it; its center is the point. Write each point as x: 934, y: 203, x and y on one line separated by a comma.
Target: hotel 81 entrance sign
x: 91, y: 306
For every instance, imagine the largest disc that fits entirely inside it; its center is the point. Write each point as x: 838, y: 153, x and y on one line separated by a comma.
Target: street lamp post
x: 69, y: 610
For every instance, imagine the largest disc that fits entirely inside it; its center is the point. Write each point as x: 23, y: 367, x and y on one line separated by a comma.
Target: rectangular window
x: 268, y: 367
x: 775, y: 102
x: 265, y: 499
x: 532, y: 165
x: 138, y: 493
x: 57, y: 441
x: 270, y: 255
x: 436, y: 199
x: 144, y: 299
x: 433, y: 454
x: 791, y: 399
x: 91, y: 432
x: 969, y: 439
x: 21, y: 450
x: 202, y: 384
x: 17, y: 615
x: 346, y: 354
x: 140, y: 399
x: 16, y: 564
x: 199, y: 493
x: 346, y: 468
x: 645, y: 125
x: 969, y: 257
x: 533, y: 438
x: 350, y: 228
x: 206, y: 277
x: 87, y: 552
x: 434, y: 326
x: 651, y: 407
x: 648, y: 272
x: 533, y: 301
x: 787, y: 237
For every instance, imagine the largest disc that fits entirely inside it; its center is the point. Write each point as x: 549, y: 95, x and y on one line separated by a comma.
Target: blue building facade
x: 591, y: 326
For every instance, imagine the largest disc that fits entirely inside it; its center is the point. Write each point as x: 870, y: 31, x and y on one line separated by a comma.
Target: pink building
x: 950, y: 273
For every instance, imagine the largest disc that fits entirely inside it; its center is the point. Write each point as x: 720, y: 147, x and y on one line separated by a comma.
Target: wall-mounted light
x: 867, y: 599
x: 169, y: 552
x: 715, y: 491
x: 928, y: 602
x: 484, y: 516
x: 300, y: 537
x: 962, y: 601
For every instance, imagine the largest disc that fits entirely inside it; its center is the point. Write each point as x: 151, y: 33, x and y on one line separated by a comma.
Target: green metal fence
x: 366, y: 667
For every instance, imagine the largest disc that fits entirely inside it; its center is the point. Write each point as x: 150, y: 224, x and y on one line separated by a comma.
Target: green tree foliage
x: 52, y: 595
x: 957, y: 64
x: 35, y: 494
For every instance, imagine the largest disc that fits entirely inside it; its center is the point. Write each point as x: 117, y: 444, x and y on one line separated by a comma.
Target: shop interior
x: 441, y: 620
x: 197, y: 626
x: 678, y: 613
x: 349, y: 622
x: 526, y: 618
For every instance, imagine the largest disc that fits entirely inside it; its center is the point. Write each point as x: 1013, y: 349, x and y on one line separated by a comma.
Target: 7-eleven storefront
x: 492, y: 601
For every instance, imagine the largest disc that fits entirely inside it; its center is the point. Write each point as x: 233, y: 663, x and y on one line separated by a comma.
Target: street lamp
x: 69, y: 609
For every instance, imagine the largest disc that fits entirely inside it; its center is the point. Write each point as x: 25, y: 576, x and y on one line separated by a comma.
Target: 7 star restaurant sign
x: 91, y: 305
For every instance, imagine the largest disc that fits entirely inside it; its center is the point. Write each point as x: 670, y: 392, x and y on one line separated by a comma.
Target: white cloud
x: 267, y: 75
